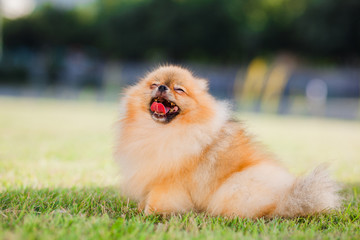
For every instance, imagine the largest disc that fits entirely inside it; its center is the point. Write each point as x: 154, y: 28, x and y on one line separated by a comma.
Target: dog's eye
x: 179, y: 90
x: 154, y: 85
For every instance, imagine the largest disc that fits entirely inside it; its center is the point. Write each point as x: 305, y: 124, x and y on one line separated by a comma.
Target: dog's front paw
x: 148, y: 210
x: 141, y: 206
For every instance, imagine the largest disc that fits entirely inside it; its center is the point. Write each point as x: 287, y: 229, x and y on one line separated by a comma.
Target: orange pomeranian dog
x: 180, y: 151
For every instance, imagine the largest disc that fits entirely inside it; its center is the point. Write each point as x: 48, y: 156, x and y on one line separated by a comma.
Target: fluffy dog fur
x: 201, y: 160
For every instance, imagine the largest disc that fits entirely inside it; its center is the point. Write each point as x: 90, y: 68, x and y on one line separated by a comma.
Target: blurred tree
x: 328, y: 28
x: 205, y: 30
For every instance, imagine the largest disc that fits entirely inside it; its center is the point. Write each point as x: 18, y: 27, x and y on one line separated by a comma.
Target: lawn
x: 58, y: 180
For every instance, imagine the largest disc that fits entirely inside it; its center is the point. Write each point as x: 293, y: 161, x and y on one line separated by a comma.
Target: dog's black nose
x: 162, y: 88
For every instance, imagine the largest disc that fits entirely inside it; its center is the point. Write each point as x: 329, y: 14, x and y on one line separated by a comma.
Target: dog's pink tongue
x: 158, y: 108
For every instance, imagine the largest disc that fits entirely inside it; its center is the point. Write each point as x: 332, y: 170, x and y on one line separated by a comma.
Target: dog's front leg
x: 167, y: 199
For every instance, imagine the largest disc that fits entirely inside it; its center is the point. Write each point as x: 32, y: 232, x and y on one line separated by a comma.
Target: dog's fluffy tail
x: 310, y: 194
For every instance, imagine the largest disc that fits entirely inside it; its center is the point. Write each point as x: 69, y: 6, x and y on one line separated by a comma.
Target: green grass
x: 58, y: 180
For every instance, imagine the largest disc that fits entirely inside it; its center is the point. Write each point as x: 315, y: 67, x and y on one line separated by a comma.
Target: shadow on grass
x: 91, y: 201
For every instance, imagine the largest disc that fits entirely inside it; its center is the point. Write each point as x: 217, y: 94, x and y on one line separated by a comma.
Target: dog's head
x: 172, y: 93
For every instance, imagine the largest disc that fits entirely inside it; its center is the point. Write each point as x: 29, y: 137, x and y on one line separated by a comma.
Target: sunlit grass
x: 303, y: 143
x: 58, y: 179
x: 49, y: 143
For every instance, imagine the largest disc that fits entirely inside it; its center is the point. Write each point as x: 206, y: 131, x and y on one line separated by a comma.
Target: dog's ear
x: 203, y: 83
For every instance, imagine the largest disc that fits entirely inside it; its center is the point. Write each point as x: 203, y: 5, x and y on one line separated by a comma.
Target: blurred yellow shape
x: 254, y: 82
x: 274, y: 89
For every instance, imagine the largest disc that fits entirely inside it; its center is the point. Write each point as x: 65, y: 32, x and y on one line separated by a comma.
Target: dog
x: 179, y: 150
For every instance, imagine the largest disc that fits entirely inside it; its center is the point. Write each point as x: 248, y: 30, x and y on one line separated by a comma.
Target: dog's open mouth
x: 163, y: 110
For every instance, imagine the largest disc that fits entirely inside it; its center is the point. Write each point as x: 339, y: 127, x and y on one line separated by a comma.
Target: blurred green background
x: 278, y: 56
